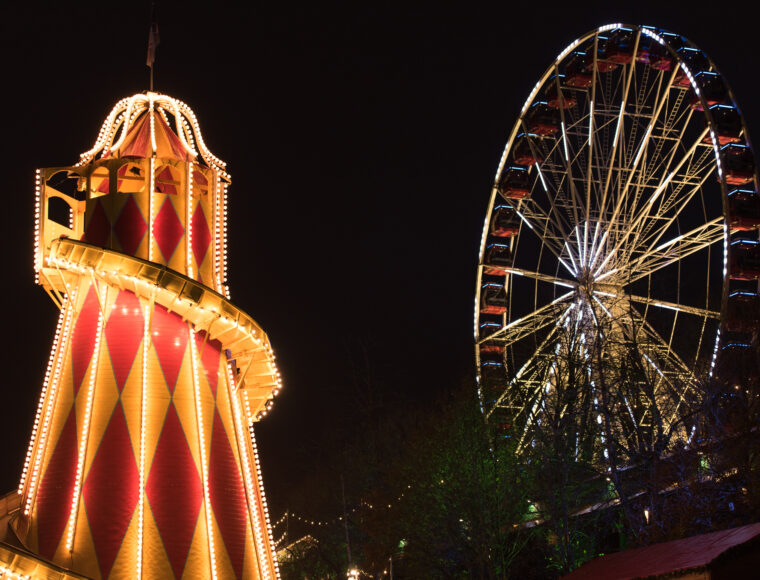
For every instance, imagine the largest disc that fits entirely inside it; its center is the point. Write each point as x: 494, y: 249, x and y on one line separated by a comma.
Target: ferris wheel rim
x: 718, y: 226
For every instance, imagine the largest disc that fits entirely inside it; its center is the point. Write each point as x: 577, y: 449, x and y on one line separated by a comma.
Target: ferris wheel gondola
x: 621, y: 232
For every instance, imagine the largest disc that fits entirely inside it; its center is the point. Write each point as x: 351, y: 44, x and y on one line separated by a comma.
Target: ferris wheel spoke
x: 538, y: 276
x: 554, y: 196
x: 662, y: 222
x: 619, y: 128
x: 563, y: 198
x: 515, y: 399
x: 535, y: 321
x: 667, y: 202
x: 543, y: 226
x: 590, y: 145
x: 676, y: 249
x: 567, y: 177
x: 626, y: 203
x: 660, y: 101
x: 702, y: 312
x: 674, y: 381
x: 556, y: 200
x: 650, y: 340
x: 630, y: 237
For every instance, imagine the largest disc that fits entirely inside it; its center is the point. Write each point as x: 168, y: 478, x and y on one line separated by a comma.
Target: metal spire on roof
x: 153, y: 41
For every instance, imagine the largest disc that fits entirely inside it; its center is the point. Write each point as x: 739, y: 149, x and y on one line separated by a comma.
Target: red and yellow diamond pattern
x: 140, y: 466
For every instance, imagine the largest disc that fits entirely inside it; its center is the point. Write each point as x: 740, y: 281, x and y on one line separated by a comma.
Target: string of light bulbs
x: 323, y: 523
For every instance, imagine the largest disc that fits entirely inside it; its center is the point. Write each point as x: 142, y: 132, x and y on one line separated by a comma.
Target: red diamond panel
x: 175, y: 492
x: 111, y: 490
x: 170, y: 341
x: 201, y: 235
x: 130, y: 226
x: 209, y: 353
x: 83, y: 339
x: 167, y: 230
x: 124, y: 332
x: 54, y: 496
x: 227, y: 495
x: 98, y: 228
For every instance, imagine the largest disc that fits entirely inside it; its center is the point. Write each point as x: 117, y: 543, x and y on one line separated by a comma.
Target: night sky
x: 362, y: 141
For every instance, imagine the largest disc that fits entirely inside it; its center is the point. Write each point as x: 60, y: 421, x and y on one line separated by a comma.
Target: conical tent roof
x: 152, y: 125
x: 165, y: 143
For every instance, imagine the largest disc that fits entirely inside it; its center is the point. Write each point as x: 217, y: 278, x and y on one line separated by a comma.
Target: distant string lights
x: 363, y: 504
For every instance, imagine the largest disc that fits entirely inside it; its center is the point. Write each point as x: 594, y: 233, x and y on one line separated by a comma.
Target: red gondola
x: 557, y: 98
x: 659, y: 58
x: 743, y: 312
x: 744, y: 209
x: 492, y: 368
x: 695, y: 60
x: 525, y: 154
x: 575, y: 72
x: 603, y: 64
x: 728, y: 124
x: 542, y: 119
x: 745, y: 260
x: 657, y: 55
x: 493, y: 298
x: 487, y: 328
x: 493, y: 376
x: 498, y: 256
x: 712, y: 88
x: 516, y: 183
x: 738, y: 164
x: 620, y: 46
x: 736, y: 362
x: 504, y: 222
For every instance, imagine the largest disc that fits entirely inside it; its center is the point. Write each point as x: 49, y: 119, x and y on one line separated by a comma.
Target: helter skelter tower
x: 142, y: 460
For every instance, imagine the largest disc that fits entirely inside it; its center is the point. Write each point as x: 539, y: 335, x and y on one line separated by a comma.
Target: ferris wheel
x: 620, y: 257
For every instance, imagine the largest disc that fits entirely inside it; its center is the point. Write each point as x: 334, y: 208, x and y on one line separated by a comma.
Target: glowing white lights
x: 85, y: 436
x: 126, y: 112
x: 152, y: 194
x: 37, y: 217
x: 43, y: 396
x: 656, y: 156
x: 72, y: 272
x: 143, y: 413
x: 226, y: 291
x: 254, y: 507
x: 263, y: 499
x: 202, y: 445
x: 152, y: 119
x: 50, y: 403
x: 189, y: 222
x: 6, y: 572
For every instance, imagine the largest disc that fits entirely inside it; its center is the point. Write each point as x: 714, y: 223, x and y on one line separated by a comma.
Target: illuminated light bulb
x: 189, y: 225
x: 41, y: 447
x: 143, y: 413
x: 43, y: 396
x: 151, y: 194
x: 256, y: 518
x: 202, y: 444
x: 85, y: 428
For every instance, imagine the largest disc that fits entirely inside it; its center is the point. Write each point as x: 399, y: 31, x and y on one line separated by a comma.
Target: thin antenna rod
x: 153, y: 40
